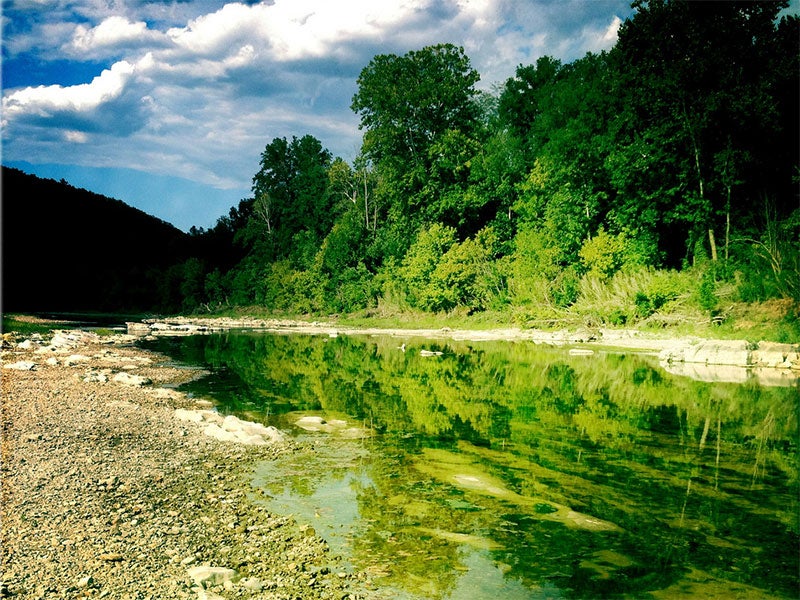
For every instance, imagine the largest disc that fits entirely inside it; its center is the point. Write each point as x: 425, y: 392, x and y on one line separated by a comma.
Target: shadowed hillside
x: 67, y: 249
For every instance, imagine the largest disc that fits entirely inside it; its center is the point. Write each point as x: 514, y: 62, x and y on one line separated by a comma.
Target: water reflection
x: 518, y: 471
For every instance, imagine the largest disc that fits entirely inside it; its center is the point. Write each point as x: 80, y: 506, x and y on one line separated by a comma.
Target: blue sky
x: 168, y: 105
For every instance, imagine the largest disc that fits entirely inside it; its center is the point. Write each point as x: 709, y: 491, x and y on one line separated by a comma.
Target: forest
x: 658, y: 176
x: 656, y: 180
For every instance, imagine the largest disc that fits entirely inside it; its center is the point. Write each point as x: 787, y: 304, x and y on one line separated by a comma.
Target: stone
x: 22, y: 365
x: 206, y: 576
x: 95, y: 377
x: 111, y: 557
x: 184, y: 414
x: 310, y: 423
x: 252, y: 584
x: 231, y: 428
x: 133, y: 380
x: 74, y: 359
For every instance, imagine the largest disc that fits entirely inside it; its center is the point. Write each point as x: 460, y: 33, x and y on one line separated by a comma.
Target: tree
x: 292, y: 202
x: 698, y: 96
x: 413, y: 108
x: 525, y: 96
x: 407, y: 102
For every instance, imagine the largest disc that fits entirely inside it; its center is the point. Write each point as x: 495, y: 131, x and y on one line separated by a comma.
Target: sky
x: 169, y: 105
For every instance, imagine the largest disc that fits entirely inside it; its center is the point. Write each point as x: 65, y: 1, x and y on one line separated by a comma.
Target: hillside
x: 68, y: 249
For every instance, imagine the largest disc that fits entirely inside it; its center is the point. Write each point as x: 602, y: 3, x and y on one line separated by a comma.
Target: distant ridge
x: 68, y: 249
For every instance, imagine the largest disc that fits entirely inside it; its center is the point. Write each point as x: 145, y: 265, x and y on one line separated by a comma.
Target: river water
x: 450, y: 470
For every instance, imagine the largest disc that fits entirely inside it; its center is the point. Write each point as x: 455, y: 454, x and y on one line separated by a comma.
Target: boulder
x: 128, y: 379
x: 230, y: 428
x: 74, y: 359
x: 206, y: 576
x: 22, y: 365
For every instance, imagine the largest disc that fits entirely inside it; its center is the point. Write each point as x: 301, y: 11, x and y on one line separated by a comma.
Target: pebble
x: 104, y: 478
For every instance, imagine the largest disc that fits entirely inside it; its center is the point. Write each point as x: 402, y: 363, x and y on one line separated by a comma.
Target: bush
x: 465, y: 276
x: 351, y: 290
x: 604, y: 254
x: 421, y: 261
x: 632, y: 294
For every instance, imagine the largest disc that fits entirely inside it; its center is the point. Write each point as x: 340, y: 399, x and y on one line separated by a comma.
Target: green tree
x: 292, y: 205
x: 420, y: 119
x: 697, y: 97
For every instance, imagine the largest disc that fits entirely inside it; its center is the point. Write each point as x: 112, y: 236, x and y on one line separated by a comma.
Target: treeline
x: 653, y: 179
x: 662, y: 173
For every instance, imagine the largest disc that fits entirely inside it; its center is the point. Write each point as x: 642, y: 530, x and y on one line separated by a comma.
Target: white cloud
x: 77, y: 137
x: 81, y: 98
x: 196, y: 90
x: 112, y: 34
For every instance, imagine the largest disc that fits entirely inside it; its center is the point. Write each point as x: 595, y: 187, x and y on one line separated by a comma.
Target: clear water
x: 511, y: 470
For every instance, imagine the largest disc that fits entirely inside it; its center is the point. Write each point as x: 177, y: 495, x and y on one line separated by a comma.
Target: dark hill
x: 68, y: 249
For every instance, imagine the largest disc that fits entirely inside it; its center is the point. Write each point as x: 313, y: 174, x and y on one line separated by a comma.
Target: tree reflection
x: 513, y: 451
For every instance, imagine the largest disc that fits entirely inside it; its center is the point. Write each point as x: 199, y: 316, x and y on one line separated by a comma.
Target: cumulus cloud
x: 113, y: 35
x: 43, y: 100
x: 196, y: 90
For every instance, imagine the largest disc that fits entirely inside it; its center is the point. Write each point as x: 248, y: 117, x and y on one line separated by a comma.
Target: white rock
x: 27, y: 345
x: 22, y: 365
x: 215, y: 431
x: 128, y: 379
x: 188, y: 415
x: 252, y: 584
x: 74, y: 359
x: 205, y: 576
x: 310, y: 423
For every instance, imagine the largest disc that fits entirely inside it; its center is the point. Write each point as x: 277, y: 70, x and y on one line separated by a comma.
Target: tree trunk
x: 713, y: 244
x: 727, y: 223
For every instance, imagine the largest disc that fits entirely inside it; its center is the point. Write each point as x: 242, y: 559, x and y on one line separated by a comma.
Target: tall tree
x: 292, y: 205
x: 414, y: 108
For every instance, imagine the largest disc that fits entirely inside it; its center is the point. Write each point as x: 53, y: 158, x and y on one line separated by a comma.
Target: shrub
x: 604, y: 254
x: 422, y: 260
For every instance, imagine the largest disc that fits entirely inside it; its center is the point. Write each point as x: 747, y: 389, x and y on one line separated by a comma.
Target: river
x: 450, y: 470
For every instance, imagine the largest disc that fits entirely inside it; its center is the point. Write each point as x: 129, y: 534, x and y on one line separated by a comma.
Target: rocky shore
x: 782, y: 360
x: 116, y: 486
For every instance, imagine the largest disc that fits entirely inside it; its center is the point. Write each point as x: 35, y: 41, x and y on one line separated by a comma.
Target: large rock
x: 205, y: 576
x: 128, y: 379
x: 230, y: 428
x: 734, y: 353
x: 780, y: 356
x: 22, y: 365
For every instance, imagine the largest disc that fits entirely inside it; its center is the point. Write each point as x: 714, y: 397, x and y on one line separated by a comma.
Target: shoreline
x: 107, y: 492
x: 773, y: 363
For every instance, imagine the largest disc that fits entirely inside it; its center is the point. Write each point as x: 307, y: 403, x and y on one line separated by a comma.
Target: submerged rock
x: 336, y: 426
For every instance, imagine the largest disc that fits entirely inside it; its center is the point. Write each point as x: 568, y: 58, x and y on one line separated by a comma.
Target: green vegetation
x: 25, y: 325
x: 649, y: 185
x: 654, y: 185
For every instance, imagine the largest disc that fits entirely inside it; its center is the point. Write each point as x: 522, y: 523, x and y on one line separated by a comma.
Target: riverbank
x: 106, y: 493
x: 773, y: 360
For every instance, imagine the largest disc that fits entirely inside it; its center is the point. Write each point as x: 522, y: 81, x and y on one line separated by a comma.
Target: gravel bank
x: 105, y: 494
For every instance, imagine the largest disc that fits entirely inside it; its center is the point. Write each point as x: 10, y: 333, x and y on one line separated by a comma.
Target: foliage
x: 630, y: 186
x: 604, y: 254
